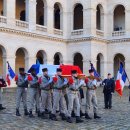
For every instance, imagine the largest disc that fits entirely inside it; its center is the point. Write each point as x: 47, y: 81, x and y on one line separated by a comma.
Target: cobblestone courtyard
x: 116, y: 119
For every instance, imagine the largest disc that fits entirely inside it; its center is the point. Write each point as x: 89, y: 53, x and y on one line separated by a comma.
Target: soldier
x: 91, y: 95
x: 2, y: 84
x: 58, y: 96
x: 46, y: 88
x: 33, y: 92
x: 22, y: 85
x: 73, y: 95
x: 109, y: 87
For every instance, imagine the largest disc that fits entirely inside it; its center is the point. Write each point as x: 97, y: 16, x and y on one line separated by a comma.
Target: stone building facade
x: 65, y: 32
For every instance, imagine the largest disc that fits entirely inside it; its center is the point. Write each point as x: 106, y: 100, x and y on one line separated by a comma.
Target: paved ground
x: 116, y: 119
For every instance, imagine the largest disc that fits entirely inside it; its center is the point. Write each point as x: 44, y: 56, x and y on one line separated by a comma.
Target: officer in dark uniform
x: 109, y: 86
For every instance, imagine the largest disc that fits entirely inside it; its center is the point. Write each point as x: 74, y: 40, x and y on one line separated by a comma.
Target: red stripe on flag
x: 118, y: 87
x: 8, y: 80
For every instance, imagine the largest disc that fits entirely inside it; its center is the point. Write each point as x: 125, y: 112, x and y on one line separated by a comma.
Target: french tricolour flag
x: 10, y: 74
x: 121, y: 79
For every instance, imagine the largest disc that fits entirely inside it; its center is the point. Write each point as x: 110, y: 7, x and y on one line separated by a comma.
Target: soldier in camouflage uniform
x: 58, y: 96
x: 22, y: 85
x: 33, y: 92
x: 91, y: 95
x: 45, y: 86
x: 73, y: 95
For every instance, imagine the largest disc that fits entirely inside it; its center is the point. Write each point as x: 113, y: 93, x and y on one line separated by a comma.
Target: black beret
x: 44, y: 69
x: 74, y: 71
x: 109, y: 74
x: 91, y: 71
x: 59, y: 70
x: 21, y: 69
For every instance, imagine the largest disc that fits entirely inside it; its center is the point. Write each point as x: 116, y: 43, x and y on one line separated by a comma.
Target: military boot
x: 96, y: 116
x: 17, y: 112
x: 43, y: 115
x: 53, y: 117
x: 63, y: 117
x: 1, y: 107
x: 26, y: 112
x: 69, y: 119
x: 30, y: 114
x: 72, y: 114
x: 38, y: 113
x: 78, y: 120
x: 87, y: 116
x: 81, y: 114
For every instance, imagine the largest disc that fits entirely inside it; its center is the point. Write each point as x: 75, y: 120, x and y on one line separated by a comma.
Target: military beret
x: 91, y: 71
x: 44, y: 69
x: 74, y: 71
x: 59, y: 70
x: 109, y: 74
x: 21, y: 69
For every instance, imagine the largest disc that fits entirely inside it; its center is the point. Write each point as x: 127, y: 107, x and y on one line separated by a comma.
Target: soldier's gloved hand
x: 82, y: 83
x: 50, y: 81
x: 65, y: 81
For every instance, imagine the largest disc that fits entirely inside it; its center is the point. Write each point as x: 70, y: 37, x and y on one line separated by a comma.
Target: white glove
x: 65, y: 81
x: 82, y: 83
x: 51, y: 80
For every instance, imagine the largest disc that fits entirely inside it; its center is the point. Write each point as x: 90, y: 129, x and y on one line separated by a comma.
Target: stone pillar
x: 31, y: 61
x: 67, y: 25
x: 91, y: 22
x: 86, y: 66
x: 110, y: 25
x: 9, y: 12
x: 85, y: 20
x: 50, y: 19
x: 110, y: 67
x: 31, y: 14
x: 127, y: 68
x: 127, y: 22
x: 103, y: 69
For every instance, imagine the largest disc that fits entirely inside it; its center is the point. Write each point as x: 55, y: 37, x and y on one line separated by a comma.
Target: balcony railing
x: 118, y: 33
x: 77, y: 32
x: 100, y: 33
x: 3, y: 19
x: 41, y: 28
x: 58, y: 32
x: 22, y: 24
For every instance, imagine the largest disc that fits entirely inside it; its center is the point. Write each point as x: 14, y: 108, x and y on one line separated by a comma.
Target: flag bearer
x: 91, y: 95
x: 73, y: 95
x: 46, y: 88
x: 58, y: 95
x: 22, y: 85
x: 33, y: 92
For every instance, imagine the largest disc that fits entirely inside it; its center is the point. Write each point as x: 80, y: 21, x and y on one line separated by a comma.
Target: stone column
x: 31, y: 14
x: 85, y: 20
x: 86, y: 66
x: 67, y: 25
x: 127, y: 68
x: 31, y: 61
x: 9, y: 12
x: 50, y: 19
x: 110, y: 67
x: 91, y: 22
x: 127, y: 22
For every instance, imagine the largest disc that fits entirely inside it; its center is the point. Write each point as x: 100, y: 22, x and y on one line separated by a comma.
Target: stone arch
x: 100, y: 64
x: 20, y: 10
x: 1, y: 7
x: 117, y: 58
x: 100, y: 17
x: 2, y: 61
x: 119, y: 18
x: 58, y: 58
x: 21, y: 59
x: 58, y: 16
x: 41, y: 12
x: 41, y: 56
x: 78, y: 16
x: 78, y: 60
